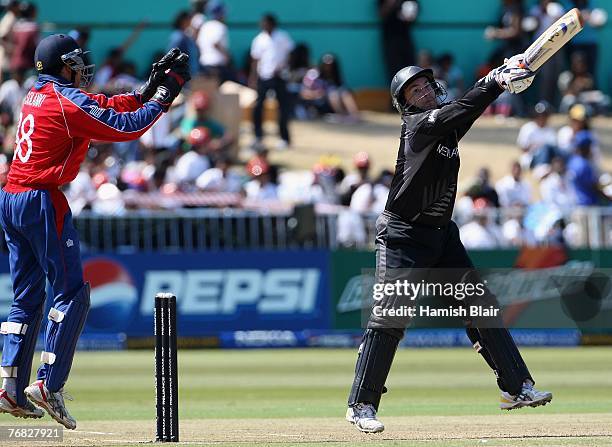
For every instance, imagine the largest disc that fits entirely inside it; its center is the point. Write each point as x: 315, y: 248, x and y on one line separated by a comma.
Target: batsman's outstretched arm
x: 460, y: 113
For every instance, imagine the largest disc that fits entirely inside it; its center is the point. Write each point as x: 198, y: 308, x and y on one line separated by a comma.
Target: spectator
x: 555, y: 188
x: 536, y: 138
x: 324, y: 87
x: 505, y: 104
x: 372, y: 197
x: 114, y: 59
x: 193, y: 163
x: 220, y: 178
x: 481, y: 233
x: 161, y: 137
x: 213, y: 43
x: 12, y: 92
x: 579, y: 119
x: 545, y: 13
x: 397, y: 17
x: 261, y: 186
x: 326, y: 177
x: 24, y: 38
x: 482, y: 188
x: 450, y: 75
x: 512, y: 190
x: 299, y: 63
x: 351, y: 182
x: 270, y: 52
x: 6, y: 28
x: 581, y: 171
x: 197, y: 17
x: 508, y: 30
x: 81, y: 35
x: 124, y: 80
x: 587, y: 40
x: 81, y: 191
x: 575, y: 81
x: 109, y: 69
x: 425, y: 59
x: 220, y: 137
x: 181, y: 39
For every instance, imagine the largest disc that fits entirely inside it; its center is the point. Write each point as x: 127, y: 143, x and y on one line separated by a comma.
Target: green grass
x: 315, y: 383
x: 114, y: 392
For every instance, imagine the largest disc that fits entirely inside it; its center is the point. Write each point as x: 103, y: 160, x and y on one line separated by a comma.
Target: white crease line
x: 93, y: 432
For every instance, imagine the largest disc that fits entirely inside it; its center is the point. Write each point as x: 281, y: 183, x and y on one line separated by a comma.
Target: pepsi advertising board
x: 216, y: 291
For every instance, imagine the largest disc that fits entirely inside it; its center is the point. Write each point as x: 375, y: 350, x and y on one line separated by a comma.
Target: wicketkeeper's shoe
x: 8, y: 404
x: 364, y: 418
x: 528, y: 397
x: 52, y: 403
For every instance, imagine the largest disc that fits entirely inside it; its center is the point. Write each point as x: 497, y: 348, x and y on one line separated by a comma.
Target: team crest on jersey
x: 96, y: 111
x: 39, y: 65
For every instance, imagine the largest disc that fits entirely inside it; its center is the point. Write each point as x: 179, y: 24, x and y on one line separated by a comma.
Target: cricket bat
x: 551, y: 40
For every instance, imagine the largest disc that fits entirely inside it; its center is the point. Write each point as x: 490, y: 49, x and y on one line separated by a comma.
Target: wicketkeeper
x: 57, y: 122
x: 416, y: 231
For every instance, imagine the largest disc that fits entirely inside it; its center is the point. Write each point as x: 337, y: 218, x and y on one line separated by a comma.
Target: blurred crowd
x: 191, y: 151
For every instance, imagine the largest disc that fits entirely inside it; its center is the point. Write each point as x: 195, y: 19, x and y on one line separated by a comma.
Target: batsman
x: 57, y: 122
x: 416, y: 231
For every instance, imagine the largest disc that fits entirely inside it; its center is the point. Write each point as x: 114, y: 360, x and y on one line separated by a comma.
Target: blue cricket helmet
x: 57, y: 50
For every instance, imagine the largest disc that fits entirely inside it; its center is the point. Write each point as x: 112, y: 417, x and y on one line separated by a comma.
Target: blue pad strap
x: 66, y: 321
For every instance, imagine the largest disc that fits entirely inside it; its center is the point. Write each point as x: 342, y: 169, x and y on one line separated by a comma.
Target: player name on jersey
x: 34, y: 99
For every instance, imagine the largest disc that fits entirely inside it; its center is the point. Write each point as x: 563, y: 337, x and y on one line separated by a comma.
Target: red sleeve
x: 87, y: 118
x: 128, y: 102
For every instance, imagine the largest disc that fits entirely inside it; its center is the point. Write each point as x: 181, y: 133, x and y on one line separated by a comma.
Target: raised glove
x: 158, y: 74
x: 173, y: 82
x: 514, y: 80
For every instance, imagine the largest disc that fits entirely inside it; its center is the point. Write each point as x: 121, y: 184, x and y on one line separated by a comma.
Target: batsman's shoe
x: 364, y: 418
x: 52, y: 403
x: 528, y: 397
x: 8, y: 404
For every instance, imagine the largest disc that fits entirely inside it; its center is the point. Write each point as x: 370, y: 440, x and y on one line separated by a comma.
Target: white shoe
x: 364, y: 418
x: 52, y: 403
x: 528, y: 397
x: 8, y: 404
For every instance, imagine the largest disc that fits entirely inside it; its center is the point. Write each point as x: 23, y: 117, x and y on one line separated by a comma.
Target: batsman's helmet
x: 406, y: 75
x: 57, y: 50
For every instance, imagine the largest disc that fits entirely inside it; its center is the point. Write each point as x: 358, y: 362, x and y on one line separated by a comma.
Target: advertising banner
x: 216, y: 291
x: 540, y: 288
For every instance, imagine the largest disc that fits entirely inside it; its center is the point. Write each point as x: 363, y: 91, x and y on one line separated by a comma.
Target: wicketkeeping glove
x: 158, y: 74
x: 175, y: 78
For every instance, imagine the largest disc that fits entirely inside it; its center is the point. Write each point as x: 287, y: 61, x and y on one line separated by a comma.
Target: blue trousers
x: 43, y: 244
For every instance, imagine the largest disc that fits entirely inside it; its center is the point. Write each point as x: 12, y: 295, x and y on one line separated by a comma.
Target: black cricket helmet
x: 57, y: 50
x: 406, y: 75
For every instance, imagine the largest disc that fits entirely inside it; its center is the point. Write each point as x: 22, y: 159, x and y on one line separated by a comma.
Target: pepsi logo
x: 114, y: 296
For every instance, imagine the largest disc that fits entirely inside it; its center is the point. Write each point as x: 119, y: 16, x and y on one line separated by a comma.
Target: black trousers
x: 284, y: 106
x: 401, y: 247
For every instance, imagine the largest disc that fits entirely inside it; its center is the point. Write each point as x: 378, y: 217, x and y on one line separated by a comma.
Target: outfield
x: 438, y: 397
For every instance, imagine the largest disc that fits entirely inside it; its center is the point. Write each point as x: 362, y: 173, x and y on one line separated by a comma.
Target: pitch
x: 441, y: 397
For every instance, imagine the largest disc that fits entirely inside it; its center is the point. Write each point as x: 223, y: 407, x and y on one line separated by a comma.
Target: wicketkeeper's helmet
x: 57, y: 50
